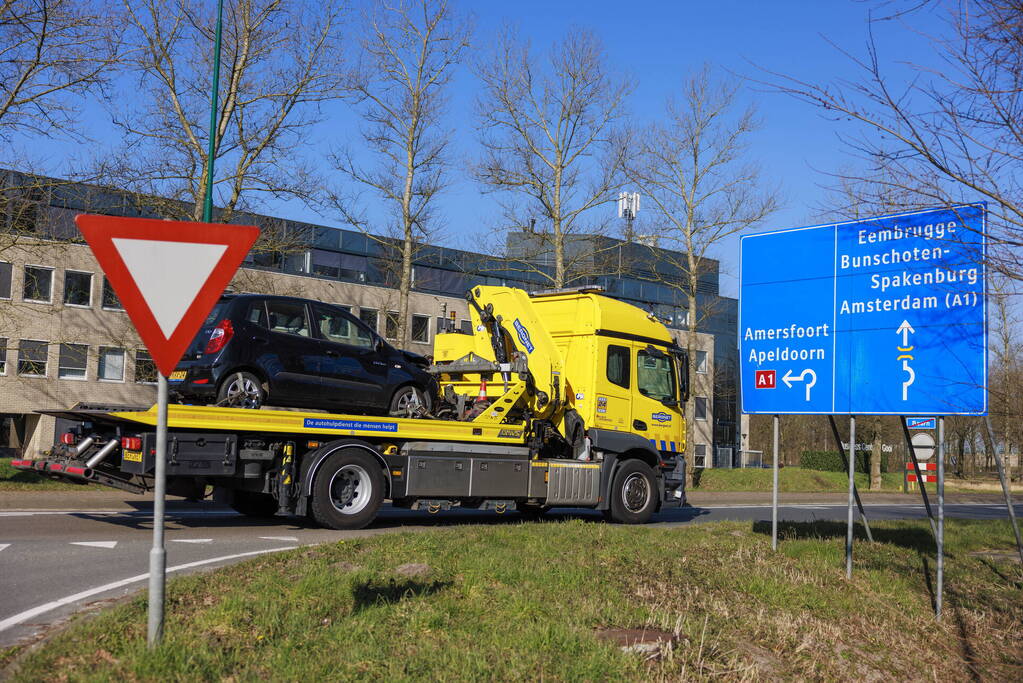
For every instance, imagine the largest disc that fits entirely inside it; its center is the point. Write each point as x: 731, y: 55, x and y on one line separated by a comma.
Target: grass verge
x: 23, y: 480
x: 525, y: 601
x: 799, y: 480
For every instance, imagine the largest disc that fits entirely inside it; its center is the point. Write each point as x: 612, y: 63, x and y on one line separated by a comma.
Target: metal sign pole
x: 919, y: 475
x: 1005, y: 486
x: 158, y: 555
x: 774, y: 496
x: 852, y: 496
x: 941, y: 517
x: 856, y: 493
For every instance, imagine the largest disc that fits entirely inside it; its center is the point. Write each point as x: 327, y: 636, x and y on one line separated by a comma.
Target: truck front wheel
x: 633, y: 493
x: 348, y: 490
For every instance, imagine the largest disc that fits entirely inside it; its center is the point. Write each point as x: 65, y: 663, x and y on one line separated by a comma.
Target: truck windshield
x: 655, y: 375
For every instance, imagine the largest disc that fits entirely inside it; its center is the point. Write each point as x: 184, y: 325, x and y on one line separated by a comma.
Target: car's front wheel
x: 406, y: 397
x: 241, y: 390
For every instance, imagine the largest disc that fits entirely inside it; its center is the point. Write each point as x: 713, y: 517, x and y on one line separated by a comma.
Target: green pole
x: 207, y: 206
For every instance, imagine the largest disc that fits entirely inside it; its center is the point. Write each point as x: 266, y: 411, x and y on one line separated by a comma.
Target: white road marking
x: 96, y: 544
x: 279, y: 538
x: 49, y: 606
x: 191, y: 540
x: 127, y: 513
x: 4, y: 545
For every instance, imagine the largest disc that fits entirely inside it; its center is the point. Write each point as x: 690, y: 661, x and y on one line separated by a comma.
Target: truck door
x: 614, y: 387
x: 656, y: 401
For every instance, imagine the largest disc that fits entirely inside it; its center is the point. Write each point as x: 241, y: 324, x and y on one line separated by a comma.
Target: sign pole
x: 774, y: 496
x: 1005, y: 486
x: 856, y: 492
x: 941, y: 517
x: 158, y: 555
x: 852, y: 495
x: 919, y: 475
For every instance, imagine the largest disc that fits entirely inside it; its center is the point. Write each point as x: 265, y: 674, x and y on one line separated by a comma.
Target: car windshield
x: 217, y: 313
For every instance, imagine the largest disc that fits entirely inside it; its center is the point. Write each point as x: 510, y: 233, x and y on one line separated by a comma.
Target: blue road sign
x: 881, y: 316
x: 921, y: 423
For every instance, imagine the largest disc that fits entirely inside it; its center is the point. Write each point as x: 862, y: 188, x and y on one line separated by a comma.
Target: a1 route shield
x: 881, y: 316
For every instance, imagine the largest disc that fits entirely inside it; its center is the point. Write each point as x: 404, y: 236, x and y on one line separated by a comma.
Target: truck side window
x: 618, y: 365
x: 655, y: 376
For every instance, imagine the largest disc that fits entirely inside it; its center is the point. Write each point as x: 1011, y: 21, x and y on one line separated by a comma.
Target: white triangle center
x: 169, y: 274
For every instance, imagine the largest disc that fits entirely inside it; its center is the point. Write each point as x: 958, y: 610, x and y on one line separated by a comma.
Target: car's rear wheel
x: 241, y: 390
x: 405, y: 397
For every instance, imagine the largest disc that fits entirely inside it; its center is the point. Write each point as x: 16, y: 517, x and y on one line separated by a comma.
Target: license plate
x: 177, y: 375
x: 132, y: 456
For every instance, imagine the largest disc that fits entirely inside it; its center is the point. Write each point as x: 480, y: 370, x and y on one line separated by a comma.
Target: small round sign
x: 923, y: 445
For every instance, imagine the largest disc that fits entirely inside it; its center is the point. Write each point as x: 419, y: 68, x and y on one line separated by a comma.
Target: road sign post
x: 884, y: 316
x: 168, y: 276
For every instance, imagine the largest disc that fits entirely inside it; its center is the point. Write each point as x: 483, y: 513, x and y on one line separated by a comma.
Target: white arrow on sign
x: 905, y: 329
x: 789, y: 378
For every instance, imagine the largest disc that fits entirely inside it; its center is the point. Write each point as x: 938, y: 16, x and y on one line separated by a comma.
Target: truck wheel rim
x: 244, y: 393
x: 350, y: 489
x: 635, y: 492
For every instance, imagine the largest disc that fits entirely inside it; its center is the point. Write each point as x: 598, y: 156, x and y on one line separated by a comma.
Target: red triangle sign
x: 167, y: 274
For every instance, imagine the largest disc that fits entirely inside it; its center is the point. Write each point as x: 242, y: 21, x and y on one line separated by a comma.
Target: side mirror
x: 683, y: 376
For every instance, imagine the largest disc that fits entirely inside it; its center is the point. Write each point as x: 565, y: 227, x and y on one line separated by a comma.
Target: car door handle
x: 260, y: 340
x: 639, y: 424
x: 379, y: 362
x: 332, y: 353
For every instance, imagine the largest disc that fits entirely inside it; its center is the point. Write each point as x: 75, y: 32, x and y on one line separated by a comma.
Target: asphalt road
x: 57, y: 559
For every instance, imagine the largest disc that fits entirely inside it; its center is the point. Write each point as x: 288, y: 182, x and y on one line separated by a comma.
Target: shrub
x: 832, y: 461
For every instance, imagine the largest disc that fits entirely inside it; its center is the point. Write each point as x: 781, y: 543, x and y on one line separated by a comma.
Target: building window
x: 700, y: 455
x: 38, y: 284
x: 391, y: 325
x: 72, y: 360
x: 32, y: 358
x: 110, y: 367
x: 368, y: 316
x: 145, y: 368
x: 618, y: 365
x: 700, y: 408
x: 110, y: 300
x: 3, y: 356
x: 5, y: 280
x: 77, y: 288
x: 420, y: 329
x: 701, y: 362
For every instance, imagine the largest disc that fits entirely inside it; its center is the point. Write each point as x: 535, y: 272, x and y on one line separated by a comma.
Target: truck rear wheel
x: 633, y: 493
x: 348, y: 490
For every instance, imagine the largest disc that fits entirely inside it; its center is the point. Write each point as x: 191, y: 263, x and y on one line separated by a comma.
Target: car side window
x: 337, y: 326
x: 288, y: 317
x: 256, y: 313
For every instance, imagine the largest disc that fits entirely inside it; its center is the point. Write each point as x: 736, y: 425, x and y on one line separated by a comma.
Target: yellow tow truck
x: 563, y: 398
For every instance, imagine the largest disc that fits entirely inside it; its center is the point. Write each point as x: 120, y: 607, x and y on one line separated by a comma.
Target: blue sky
x: 660, y: 43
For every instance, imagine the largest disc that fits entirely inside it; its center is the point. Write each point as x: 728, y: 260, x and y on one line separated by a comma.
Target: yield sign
x: 167, y: 274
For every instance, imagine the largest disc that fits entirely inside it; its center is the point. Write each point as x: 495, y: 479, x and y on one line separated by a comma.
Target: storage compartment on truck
x: 188, y: 454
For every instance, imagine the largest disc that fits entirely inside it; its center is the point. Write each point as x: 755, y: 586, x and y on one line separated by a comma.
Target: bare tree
x: 51, y: 52
x: 693, y: 171
x: 279, y: 62
x: 409, y: 53
x: 552, y: 148
x: 948, y: 134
